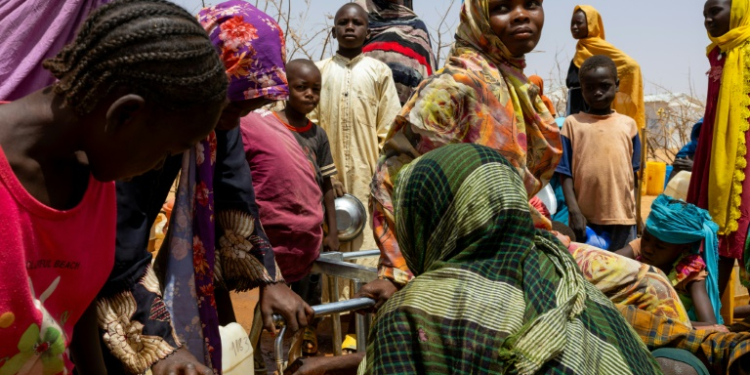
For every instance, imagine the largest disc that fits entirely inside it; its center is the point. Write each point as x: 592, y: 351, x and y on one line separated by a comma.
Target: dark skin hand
x: 181, y: 362
x: 717, y: 16
x: 278, y: 298
x: 341, y: 365
x: 380, y: 290
x: 518, y: 24
x: 576, y: 220
x: 682, y: 165
x: 331, y: 241
x: 579, y: 26
x: 351, y: 29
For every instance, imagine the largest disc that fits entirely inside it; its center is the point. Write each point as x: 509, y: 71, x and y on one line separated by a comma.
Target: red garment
x: 53, y: 264
x: 287, y: 192
x: 537, y: 203
x: 732, y: 245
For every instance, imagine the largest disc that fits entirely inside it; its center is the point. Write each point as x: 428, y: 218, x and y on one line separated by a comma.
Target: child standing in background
x: 601, y: 153
x: 304, y: 95
x: 358, y: 103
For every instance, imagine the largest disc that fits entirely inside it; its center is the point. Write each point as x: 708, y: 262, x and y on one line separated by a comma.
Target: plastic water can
x: 547, y: 195
x: 678, y: 187
x: 236, y: 351
x: 656, y: 171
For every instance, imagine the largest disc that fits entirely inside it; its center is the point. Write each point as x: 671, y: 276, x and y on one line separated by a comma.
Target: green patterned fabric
x: 492, y: 295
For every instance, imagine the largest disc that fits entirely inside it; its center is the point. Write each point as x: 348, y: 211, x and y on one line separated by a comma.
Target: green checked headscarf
x: 492, y: 295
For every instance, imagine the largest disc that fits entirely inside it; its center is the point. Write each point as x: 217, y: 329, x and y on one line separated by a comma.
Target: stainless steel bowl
x: 351, y: 217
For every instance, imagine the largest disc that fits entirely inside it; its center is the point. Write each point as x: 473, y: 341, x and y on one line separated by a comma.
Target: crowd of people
x: 120, y: 101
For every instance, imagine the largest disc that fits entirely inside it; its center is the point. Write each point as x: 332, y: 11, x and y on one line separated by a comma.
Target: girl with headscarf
x: 720, y: 167
x: 401, y: 40
x: 511, y: 299
x: 588, y: 28
x: 680, y: 239
x: 481, y: 96
x: 539, y: 83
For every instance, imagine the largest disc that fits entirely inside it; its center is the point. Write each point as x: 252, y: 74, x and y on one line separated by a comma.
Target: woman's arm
x: 704, y: 311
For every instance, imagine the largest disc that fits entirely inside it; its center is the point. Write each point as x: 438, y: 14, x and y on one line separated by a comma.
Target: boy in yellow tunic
x: 357, y: 106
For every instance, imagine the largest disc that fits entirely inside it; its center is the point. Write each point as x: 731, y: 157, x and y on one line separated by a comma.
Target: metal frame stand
x: 335, y: 265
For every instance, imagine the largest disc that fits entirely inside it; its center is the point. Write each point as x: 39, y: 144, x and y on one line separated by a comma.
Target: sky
x: 667, y: 39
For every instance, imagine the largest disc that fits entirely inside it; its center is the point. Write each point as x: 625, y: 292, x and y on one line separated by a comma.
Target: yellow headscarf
x: 728, y: 150
x: 629, y: 99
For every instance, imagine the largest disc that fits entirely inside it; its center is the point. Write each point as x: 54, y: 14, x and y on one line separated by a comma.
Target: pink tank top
x: 53, y: 263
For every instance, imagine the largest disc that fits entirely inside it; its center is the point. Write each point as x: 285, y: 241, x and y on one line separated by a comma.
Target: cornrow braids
x: 153, y: 47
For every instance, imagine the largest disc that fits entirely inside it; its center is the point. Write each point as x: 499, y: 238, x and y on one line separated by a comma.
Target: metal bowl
x: 351, y: 217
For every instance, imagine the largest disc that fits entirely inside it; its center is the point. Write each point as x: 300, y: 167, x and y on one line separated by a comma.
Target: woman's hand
x: 279, y: 299
x: 342, y: 365
x: 379, y: 290
x: 181, y: 362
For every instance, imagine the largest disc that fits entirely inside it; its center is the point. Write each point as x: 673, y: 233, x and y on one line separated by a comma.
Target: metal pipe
x: 278, y: 348
x: 344, y: 269
x: 336, y: 307
x: 359, y: 321
x: 361, y: 254
x: 326, y: 309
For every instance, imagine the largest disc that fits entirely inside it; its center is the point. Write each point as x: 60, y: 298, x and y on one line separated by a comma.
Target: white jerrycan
x: 236, y: 351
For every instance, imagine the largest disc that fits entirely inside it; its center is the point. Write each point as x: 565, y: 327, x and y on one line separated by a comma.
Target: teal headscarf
x: 676, y: 222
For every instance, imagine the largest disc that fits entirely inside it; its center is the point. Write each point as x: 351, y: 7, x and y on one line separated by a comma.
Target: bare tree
x: 300, y: 38
x: 670, y: 119
x: 443, y: 34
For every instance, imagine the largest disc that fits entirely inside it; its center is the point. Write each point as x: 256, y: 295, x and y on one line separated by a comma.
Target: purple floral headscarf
x: 252, y: 48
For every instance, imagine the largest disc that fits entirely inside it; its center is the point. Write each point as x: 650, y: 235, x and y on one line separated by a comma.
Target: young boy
x: 357, y: 106
x: 304, y: 95
x: 601, y: 153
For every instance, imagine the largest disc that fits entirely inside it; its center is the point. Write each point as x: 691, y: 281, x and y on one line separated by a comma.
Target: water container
x: 678, y: 187
x: 666, y: 176
x: 547, y: 195
x: 655, y: 177
x: 236, y: 351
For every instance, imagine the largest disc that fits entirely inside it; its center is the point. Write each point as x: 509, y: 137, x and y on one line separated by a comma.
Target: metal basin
x: 351, y: 217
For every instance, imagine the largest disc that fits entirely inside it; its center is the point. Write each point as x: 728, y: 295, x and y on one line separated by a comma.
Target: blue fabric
x: 676, y: 222
x: 566, y: 162
x: 562, y: 208
x: 636, y: 158
x: 688, y: 151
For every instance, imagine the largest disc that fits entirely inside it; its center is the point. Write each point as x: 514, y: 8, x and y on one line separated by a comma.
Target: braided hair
x: 153, y: 47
